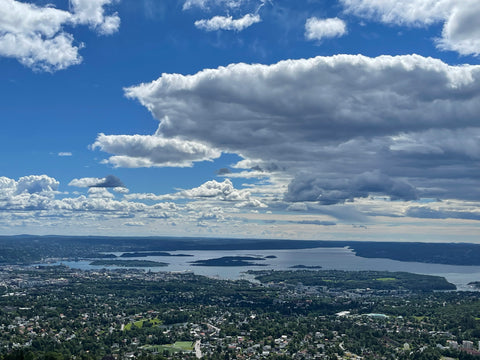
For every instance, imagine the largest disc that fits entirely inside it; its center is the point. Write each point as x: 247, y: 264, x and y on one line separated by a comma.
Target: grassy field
x: 140, y: 323
x: 386, y: 279
x: 179, y: 346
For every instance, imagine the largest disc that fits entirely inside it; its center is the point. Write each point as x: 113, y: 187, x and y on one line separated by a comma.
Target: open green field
x: 386, y: 279
x: 140, y: 323
x: 179, y: 346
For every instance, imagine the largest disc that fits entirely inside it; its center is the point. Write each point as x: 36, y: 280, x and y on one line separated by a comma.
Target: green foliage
x: 64, y: 312
x: 128, y: 263
x: 344, y: 280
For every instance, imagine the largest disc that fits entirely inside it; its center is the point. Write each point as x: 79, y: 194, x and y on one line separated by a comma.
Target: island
x: 230, y: 261
x: 305, y: 267
x: 475, y: 284
x: 150, y: 253
x: 128, y: 263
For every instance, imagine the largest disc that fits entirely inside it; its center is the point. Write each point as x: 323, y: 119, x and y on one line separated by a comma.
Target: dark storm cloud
x: 110, y: 181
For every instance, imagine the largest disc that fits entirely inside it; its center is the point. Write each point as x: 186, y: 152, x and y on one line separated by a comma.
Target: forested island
x: 129, y: 263
x: 475, y: 284
x: 306, y: 267
x: 151, y: 253
x: 230, y: 261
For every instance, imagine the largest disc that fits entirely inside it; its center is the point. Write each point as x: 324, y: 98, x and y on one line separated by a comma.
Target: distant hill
x: 23, y: 249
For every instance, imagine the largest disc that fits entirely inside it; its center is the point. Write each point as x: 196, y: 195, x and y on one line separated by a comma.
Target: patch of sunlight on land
x: 141, y: 323
x: 179, y: 346
x: 386, y: 279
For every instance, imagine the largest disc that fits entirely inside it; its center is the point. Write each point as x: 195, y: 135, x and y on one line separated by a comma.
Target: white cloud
x: 461, y: 28
x: 109, y: 181
x: 461, y: 32
x: 209, y: 191
x: 33, y: 204
x: 317, y: 29
x: 28, y: 193
x: 149, y: 197
x: 150, y: 151
x: 246, y: 175
x: 227, y: 23
x: 188, y: 4
x: 328, y: 118
x: 33, y: 184
x: 214, y: 189
x: 65, y: 153
x: 84, y: 182
x: 402, y: 12
x: 252, y: 203
x: 100, y: 193
x: 205, y: 4
x: 134, y: 223
x: 38, y: 197
x: 121, y: 190
x: 92, y: 13
x: 7, y: 185
x: 35, y: 35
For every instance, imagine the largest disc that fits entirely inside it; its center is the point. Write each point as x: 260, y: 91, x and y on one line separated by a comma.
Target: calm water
x: 328, y: 258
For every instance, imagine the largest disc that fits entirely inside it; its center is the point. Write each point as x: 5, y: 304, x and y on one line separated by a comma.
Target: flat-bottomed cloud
x: 327, y: 118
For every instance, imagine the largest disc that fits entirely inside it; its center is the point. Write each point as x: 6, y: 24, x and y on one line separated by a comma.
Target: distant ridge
x: 30, y: 248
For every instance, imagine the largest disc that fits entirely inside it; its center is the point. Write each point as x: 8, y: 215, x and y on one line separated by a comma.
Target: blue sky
x: 348, y: 119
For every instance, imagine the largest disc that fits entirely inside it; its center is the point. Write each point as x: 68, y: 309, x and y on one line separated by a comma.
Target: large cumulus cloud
x: 394, y: 120
x: 32, y: 184
x: 307, y: 100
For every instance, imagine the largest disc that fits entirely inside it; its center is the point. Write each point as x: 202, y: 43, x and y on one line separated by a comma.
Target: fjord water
x: 327, y: 258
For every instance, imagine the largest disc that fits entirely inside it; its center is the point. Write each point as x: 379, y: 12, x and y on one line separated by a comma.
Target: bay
x: 327, y: 258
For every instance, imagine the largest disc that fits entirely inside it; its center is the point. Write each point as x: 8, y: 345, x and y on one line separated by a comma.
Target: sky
x: 308, y: 119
